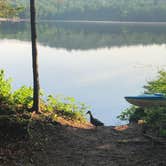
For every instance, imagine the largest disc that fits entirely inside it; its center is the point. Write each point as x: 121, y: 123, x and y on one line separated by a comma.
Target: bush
x: 158, y: 85
x: 5, y: 88
x: 66, y: 107
x: 132, y: 114
x: 23, y: 96
x: 22, y: 100
x: 155, y: 117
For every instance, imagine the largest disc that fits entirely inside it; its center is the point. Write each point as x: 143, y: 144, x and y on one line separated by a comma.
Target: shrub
x: 158, y: 85
x: 22, y: 100
x: 132, y: 114
x: 5, y: 88
x: 66, y: 107
x: 23, y: 96
x: 155, y: 117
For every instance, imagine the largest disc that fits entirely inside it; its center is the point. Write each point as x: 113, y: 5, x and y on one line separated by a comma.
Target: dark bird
x: 95, y: 121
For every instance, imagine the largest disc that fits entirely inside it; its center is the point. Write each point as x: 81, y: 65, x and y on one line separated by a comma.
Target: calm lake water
x: 96, y: 63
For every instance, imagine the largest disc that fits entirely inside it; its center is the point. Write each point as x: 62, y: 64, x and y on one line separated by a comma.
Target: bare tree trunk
x: 36, y: 87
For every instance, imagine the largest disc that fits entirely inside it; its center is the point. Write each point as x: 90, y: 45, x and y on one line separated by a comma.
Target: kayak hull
x: 147, y: 100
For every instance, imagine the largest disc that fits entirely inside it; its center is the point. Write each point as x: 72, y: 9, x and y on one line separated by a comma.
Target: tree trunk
x: 36, y: 87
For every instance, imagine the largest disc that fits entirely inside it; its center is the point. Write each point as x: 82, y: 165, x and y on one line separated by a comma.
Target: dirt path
x: 57, y: 145
x: 67, y: 146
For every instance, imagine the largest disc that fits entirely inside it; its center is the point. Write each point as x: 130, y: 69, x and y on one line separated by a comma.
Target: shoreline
x: 87, y: 21
x: 107, y: 22
x: 13, y: 20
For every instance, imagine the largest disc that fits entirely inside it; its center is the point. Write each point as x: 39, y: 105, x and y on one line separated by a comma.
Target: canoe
x: 147, y: 100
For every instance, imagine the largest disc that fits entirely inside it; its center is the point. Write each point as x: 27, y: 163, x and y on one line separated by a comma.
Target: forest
x: 113, y: 10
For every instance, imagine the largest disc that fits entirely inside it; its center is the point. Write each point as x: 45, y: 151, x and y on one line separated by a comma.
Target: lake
x: 97, y: 63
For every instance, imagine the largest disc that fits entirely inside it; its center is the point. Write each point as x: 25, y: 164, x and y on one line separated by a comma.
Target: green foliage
x: 125, y: 115
x: 21, y: 100
x: 132, y: 114
x: 163, y: 132
x: 24, y: 96
x: 158, y: 85
x: 155, y: 117
x: 9, y: 10
x: 66, y: 107
x: 5, y: 88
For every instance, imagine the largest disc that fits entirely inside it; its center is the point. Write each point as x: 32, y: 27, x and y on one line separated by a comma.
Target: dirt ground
x: 60, y: 145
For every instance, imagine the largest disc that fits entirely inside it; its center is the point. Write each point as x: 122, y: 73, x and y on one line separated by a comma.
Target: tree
x: 7, y: 10
x: 36, y: 86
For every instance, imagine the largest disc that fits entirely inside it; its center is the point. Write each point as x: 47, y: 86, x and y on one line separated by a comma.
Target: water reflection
x: 87, y: 35
x: 99, y: 77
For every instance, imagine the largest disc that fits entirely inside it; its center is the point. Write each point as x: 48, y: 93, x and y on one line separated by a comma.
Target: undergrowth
x: 154, y: 117
x: 21, y: 101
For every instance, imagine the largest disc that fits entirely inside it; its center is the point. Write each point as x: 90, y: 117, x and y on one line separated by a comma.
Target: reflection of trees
x: 87, y: 36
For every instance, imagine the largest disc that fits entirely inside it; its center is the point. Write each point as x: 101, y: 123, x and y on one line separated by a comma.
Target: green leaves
x: 158, y: 85
x: 155, y: 117
x: 67, y: 107
x: 8, y: 10
x: 5, y: 88
x: 132, y: 114
x: 22, y: 100
x: 24, y: 96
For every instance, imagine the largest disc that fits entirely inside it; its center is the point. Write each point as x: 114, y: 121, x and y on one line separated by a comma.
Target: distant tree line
x: 121, y: 10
